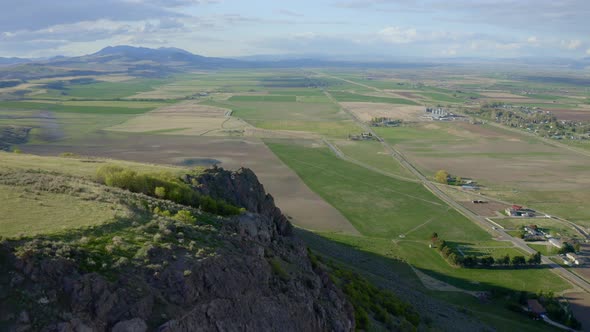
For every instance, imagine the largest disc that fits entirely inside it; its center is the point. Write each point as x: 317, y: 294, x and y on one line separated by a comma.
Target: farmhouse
x: 362, y: 137
x: 519, y: 211
x: 536, y: 308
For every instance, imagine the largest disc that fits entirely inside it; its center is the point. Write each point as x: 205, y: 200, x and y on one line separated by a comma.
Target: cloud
x: 288, y: 12
x: 397, y: 35
x: 573, y: 44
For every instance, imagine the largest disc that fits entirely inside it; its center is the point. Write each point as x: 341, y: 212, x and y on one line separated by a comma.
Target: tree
x: 441, y: 176
x: 535, y: 258
x: 434, y: 237
x: 577, y: 247
x: 505, y: 260
x: 160, y: 192
x: 518, y: 260
x: 487, y: 261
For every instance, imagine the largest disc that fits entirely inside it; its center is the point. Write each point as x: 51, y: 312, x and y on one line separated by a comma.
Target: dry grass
x: 368, y: 111
x: 186, y: 118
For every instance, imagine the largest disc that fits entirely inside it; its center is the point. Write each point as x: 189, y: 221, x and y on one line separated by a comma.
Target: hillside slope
x: 163, y: 266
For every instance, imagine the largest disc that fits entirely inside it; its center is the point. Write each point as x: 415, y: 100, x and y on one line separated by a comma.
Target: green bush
x: 162, y: 185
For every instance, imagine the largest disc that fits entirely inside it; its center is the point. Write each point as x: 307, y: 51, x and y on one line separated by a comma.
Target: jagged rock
x: 241, y: 188
x: 132, y: 325
x: 258, y: 278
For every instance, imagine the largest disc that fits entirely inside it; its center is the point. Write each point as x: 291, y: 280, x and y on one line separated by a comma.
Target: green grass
x: 352, y: 97
x: 27, y: 213
x: 83, y: 167
x: 63, y: 108
x: 544, y: 249
x: 272, y: 98
x: 376, y: 205
x: 323, y: 118
x: 372, y: 153
x: 111, y: 90
x: 431, y: 262
x: 441, y: 97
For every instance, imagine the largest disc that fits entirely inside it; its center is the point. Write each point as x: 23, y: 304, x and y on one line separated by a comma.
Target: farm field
x: 373, y: 154
x: 374, y: 204
x: 510, y: 166
x: 184, y: 118
x: 279, y: 124
x: 553, y: 227
x: 296, y: 200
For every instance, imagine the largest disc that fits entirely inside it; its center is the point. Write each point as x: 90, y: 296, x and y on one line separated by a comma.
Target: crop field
x: 185, y: 118
x: 510, y: 166
x: 373, y: 154
x: 368, y: 111
x: 321, y: 117
x: 376, y: 205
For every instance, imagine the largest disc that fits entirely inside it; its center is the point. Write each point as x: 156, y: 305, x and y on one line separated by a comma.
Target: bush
x: 160, y: 192
x: 162, y: 185
x: 185, y: 216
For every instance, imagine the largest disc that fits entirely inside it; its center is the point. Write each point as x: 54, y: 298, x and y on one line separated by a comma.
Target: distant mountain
x: 12, y: 61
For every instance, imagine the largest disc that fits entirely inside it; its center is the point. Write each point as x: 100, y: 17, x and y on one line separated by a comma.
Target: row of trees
x: 452, y: 255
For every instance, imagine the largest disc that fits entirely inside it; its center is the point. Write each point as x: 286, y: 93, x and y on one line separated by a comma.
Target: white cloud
x: 397, y: 35
x: 588, y: 51
x: 573, y: 44
x: 532, y: 40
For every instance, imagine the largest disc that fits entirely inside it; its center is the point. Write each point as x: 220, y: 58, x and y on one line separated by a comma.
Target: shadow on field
x: 448, y: 310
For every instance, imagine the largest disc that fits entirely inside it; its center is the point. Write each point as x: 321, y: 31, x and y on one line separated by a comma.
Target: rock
x: 132, y: 325
x: 23, y: 317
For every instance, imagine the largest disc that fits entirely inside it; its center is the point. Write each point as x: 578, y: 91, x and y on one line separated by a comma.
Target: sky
x: 375, y: 29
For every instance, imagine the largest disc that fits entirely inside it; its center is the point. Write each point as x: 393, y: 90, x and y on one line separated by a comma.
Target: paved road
x: 499, y: 234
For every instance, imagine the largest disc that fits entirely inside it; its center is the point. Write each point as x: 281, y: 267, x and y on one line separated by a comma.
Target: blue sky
x: 376, y: 29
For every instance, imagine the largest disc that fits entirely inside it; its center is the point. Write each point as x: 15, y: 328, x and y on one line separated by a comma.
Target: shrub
x: 160, y: 192
x: 185, y: 216
x: 160, y: 185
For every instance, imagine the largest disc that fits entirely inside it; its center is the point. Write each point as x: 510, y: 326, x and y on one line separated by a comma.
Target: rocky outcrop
x: 240, y: 188
x: 253, y: 274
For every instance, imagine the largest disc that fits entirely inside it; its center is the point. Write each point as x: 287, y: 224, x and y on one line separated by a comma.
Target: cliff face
x: 243, y: 273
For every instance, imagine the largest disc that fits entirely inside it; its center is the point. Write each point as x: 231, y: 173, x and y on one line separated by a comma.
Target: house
x: 573, y: 258
x: 536, y: 308
x: 519, y: 211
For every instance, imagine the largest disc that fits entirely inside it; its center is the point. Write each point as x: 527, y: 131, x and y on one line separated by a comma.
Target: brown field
x: 367, y: 111
x: 572, y: 115
x: 187, y: 118
x: 489, y: 209
x: 500, y: 158
x: 511, y: 166
x: 297, y: 201
x: 406, y: 94
x: 502, y: 95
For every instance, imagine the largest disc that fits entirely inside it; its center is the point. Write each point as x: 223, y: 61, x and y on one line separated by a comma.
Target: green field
x: 376, y: 205
x: 65, y: 108
x: 273, y: 98
x: 373, y: 154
